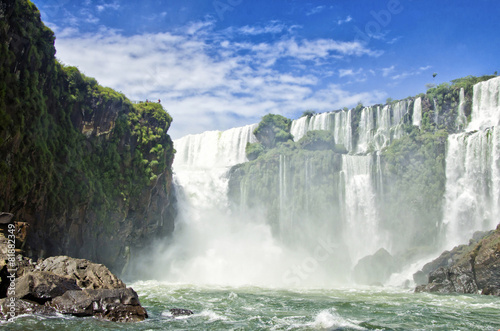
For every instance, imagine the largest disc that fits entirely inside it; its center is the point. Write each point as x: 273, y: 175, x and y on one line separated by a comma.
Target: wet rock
x: 118, y: 305
x: 11, y: 307
x: 54, y: 285
x: 87, y: 275
x: 180, y: 312
x: 43, y: 286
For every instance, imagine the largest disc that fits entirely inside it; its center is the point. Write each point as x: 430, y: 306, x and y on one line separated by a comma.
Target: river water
x: 256, y: 308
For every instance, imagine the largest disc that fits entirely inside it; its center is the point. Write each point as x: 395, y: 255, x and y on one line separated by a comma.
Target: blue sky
x: 221, y: 64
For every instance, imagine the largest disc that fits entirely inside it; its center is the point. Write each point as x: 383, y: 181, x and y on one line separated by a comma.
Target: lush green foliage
x: 308, y: 113
x: 254, y: 150
x: 414, y: 185
x: 319, y: 140
x: 273, y: 129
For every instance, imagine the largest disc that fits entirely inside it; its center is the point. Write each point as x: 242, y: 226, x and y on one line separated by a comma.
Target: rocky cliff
x: 86, y: 169
x: 472, y: 268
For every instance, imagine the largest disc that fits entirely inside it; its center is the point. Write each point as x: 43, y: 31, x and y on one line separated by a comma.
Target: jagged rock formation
x: 88, y: 171
x: 473, y: 268
x: 67, y: 286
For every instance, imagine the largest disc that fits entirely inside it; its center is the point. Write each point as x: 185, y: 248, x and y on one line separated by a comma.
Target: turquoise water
x: 253, y: 308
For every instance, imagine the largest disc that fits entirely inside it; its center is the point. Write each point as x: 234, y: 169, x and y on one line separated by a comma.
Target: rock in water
x: 69, y: 286
x: 180, y: 312
x: 118, y: 305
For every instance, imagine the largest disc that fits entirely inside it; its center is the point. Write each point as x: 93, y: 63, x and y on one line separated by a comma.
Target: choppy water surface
x: 251, y: 308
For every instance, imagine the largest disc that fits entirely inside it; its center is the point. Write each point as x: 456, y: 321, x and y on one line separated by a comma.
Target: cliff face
x: 89, y: 171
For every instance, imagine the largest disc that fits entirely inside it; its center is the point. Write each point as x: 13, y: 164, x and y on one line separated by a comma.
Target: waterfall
x: 417, y: 112
x: 461, y: 121
x: 295, y: 202
x: 209, y: 245
x: 362, y: 233
x: 210, y: 154
x: 342, y: 128
x: 304, y: 124
x: 366, y: 130
x: 485, y: 105
x: 299, y: 127
x: 473, y: 169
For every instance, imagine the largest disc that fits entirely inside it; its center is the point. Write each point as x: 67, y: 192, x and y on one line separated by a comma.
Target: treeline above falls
x: 411, y: 177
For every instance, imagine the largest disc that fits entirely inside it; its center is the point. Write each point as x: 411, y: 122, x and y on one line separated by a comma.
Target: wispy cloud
x: 387, y: 71
x: 273, y: 27
x: 345, y: 20
x: 415, y: 72
x: 315, y: 10
x: 349, y: 72
x: 218, y: 80
x: 113, y: 5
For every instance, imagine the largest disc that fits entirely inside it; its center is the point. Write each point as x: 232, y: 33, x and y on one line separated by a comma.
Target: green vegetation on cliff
x: 69, y: 146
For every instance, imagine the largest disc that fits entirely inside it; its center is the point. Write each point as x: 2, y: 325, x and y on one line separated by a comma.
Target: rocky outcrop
x: 473, y: 268
x: 67, y: 286
x: 85, y: 274
x: 117, y: 305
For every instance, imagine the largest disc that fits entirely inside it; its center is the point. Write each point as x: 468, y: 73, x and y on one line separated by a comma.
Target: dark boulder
x: 43, y: 286
x: 180, y: 312
x: 118, y: 305
x: 68, y: 286
x: 11, y: 307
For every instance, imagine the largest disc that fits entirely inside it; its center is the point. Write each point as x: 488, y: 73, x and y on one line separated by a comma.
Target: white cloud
x: 113, y: 5
x: 315, y: 10
x: 387, y: 71
x: 273, y: 27
x: 208, y: 81
x: 346, y: 20
x: 410, y: 73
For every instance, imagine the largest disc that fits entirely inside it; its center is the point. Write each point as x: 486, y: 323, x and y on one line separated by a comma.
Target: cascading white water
x: 342, y: 128
x: 417, y: 112
x: 337, y: 122
x: 210, y: 154
x: 316, y: 122
x: 485, y: 105
x: 379, y: 125
x: 211, y: 245
x: 299, y: 127
x: 473, y: 168
x: 366, y: 130
x: 461, y: 121
x: 361, y: 220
